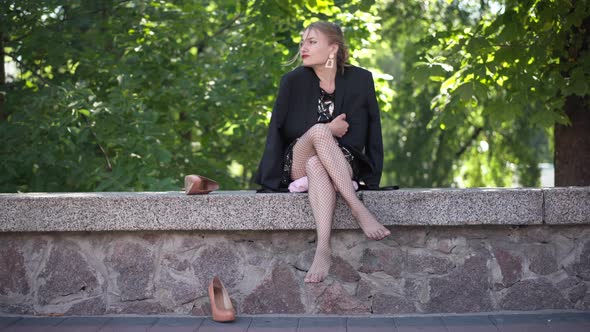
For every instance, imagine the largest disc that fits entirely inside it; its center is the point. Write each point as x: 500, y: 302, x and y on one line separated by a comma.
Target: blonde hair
x: 335, y: 36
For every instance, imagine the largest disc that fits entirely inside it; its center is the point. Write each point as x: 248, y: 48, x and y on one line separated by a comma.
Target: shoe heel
x: 199, y: 185
x: 222, y: 309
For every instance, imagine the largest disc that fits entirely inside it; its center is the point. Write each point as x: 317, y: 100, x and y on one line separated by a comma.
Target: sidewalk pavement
x: 544, y: 321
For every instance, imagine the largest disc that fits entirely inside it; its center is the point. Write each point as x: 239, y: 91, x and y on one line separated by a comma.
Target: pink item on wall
x: 301, y: 185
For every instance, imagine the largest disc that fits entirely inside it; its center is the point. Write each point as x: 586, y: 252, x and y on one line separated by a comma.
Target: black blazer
x: 295, y: 111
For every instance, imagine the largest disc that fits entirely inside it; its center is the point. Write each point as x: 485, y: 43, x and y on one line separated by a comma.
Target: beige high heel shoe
x: 221, y: 306
x: 199, y: 185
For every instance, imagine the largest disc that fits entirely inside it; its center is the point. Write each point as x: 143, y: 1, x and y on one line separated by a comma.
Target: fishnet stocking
x: 322, y: 196
x: 318, y: 156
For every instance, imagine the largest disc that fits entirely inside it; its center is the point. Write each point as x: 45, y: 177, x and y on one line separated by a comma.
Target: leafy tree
x: 132, y: 95
x: 481, y: 84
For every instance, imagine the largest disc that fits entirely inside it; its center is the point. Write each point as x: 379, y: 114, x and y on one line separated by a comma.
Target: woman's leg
x: 322, y: 197
x: 318, y: 140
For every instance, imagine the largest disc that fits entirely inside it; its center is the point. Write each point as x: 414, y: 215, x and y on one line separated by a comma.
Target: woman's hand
x: 339, y: 126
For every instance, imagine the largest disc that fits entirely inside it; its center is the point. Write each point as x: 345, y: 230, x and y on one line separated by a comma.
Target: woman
x: 325, y: 126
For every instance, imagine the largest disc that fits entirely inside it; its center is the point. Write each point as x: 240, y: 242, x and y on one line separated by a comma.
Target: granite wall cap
x: 478, y: 206
x: 569, y: 205
x: 246, y: 210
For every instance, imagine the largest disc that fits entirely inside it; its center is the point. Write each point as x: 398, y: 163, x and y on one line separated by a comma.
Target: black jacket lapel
x: 340, y: 92
x: 313, y: 94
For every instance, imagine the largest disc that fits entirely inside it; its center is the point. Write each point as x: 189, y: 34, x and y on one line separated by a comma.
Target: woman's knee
x: 320, y: 131
x: 313, y: 165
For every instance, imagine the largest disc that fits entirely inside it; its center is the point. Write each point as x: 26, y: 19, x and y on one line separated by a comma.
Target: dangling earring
x: 330, y: 62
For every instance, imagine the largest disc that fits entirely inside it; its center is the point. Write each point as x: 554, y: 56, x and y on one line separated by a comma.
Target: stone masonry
x: 418, y: 269
x: 452, y: 250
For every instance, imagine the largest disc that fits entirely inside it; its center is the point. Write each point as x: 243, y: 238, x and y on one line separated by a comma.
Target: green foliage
x: 133, y: 95
x: 126, y: 95
x: 479, y: 85
x: 517, y: 60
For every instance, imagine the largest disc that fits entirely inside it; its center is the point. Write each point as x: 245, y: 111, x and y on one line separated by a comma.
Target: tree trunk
x: 572, y: 145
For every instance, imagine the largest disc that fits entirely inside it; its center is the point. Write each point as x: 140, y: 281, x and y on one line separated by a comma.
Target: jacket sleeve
x: 270, y: 169
x: 374, y: 147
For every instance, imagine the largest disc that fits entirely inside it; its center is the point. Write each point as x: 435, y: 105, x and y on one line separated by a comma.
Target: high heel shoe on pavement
x: 221, y: 306
x: 199, y: 185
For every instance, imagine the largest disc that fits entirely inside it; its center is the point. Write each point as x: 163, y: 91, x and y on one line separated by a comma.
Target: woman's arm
x: 270, y: 169
x: 374, y: 148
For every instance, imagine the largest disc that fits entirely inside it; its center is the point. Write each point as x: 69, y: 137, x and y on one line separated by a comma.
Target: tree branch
x: 34, y: 71
x: 203, y: 43
x: 438, y: 173
x: 104, y: 153
x: 469, y: 142
x: 109, y: 167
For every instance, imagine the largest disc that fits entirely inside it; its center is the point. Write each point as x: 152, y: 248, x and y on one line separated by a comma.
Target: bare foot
x: 372, y: 228
x: 320, y: 267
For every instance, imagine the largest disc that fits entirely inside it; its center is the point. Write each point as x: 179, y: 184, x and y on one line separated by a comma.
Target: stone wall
x: 452, y: 250
x: 424, y: 269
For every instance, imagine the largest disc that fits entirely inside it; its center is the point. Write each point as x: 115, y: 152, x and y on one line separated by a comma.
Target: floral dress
x: 325, y: 114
